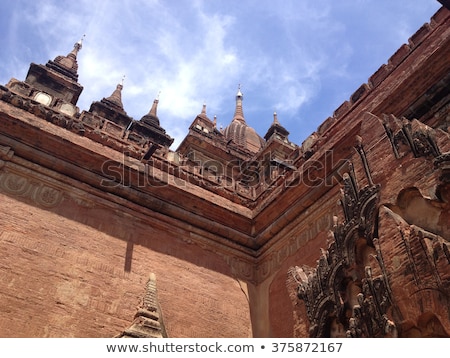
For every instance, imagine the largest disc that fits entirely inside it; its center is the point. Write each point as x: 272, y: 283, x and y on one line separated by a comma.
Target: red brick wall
x: 61, y: 277
x: 288, y: 318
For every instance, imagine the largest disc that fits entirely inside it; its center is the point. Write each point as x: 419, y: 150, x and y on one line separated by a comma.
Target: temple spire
x: 153, y: 111
x: 151, y: 117
x: 275, y: 118
x: 116, y: 96
x: 276, y: 128
x: 67, y: 65
x: 148, y: 127
x: 239, y: 113
x: 58, y: 77
x: 76, y: 48
x: 203, y: 114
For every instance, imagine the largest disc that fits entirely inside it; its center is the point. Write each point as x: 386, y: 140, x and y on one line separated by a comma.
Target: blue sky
x: 300, y: 58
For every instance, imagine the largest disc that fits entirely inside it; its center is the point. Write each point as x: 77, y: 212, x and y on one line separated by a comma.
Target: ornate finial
x: 76, y: 47
x: 239, y: 113
x: 67, y: 65
x: 123, y: 79
x: 70, y: 61
x: 239, y: 93
x: 275, y: 118
x: 79, y: 44
x: 215, y: 121
x: 204, y: 108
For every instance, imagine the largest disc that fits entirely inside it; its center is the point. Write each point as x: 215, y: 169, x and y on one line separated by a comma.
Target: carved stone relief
x: 347, y: 291
x: 414, y: 136
x: 17, y: 185
x: 419, y: 262
x: 148, y: 321
x: 442, y: 163
x: 385, y: 273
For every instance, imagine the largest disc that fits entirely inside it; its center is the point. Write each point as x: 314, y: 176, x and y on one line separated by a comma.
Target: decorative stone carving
x: 351, y: 286
x: 413, y: 135
x: 419, y: 277
x: 18, y: 185
x: 369, y: 315
x: 148, y: 322
x: 443, y: 163
x: 342, y: 290
x: 47, y: 196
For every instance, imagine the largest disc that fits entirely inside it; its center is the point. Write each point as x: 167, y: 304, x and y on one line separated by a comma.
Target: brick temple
x: 107, y: 232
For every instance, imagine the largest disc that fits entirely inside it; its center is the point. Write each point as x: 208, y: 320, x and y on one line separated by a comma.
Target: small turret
x: 276, y: 128
x: 149, y: 129
x: 58, y: 78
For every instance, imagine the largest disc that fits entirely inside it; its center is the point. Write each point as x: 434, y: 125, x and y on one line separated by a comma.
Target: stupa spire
x: 151, y: 117
x: 276, y: 128
x: 203, y: 114
x: 67, y: 65
x: 116, y: 96
x: 275, y: 118
x: 153, y: 111
x: 239, y: 113
x: 76, y: 48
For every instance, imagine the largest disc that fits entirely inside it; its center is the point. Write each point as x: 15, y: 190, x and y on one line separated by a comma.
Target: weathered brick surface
x: 288, y: 320
x: 76, y: 276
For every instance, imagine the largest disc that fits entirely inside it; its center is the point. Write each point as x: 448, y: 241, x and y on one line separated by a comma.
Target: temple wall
x: 412, y: 209
x: 71, y: 267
